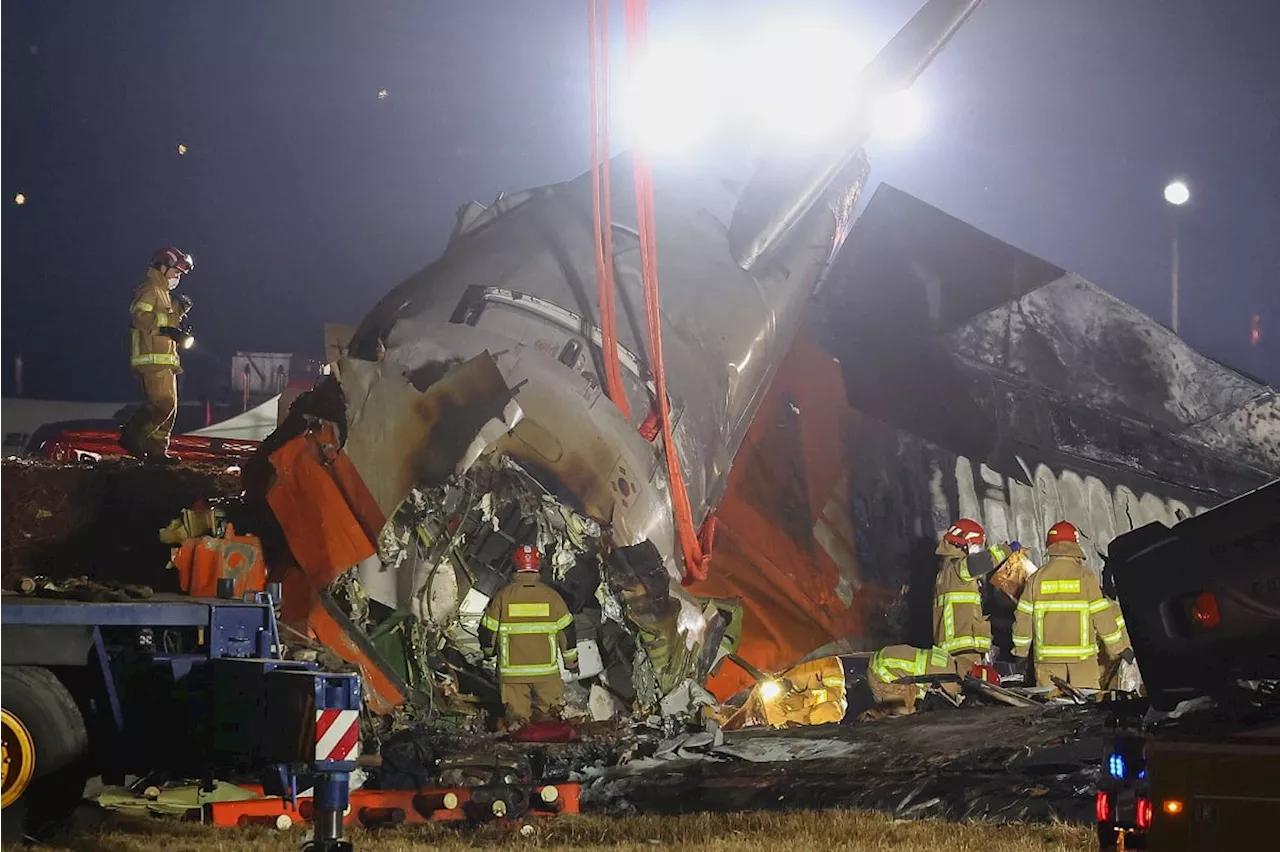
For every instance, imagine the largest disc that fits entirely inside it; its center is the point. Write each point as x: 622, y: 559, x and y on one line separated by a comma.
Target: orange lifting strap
x: 694, y: 544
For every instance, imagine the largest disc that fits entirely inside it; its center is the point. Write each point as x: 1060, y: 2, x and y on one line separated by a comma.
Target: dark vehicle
x: 1202, y: 603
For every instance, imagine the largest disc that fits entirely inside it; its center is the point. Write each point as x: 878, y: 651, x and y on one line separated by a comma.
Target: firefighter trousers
x: 523, y: 700
x: 896, y: 699
x: 150, y: 426
x: 1081, y: 673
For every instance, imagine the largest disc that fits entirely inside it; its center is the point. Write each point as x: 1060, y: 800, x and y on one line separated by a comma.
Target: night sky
x: 304, y: 196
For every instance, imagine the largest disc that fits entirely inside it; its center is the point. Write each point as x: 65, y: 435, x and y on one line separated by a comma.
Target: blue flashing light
x: 1116, y: 765
x: 1142, y: 774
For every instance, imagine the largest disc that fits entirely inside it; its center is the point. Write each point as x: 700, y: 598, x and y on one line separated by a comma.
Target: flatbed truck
x: 171, y: 685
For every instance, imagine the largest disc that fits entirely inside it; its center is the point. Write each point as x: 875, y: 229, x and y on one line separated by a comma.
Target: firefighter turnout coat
x: 1063, y: 613
x: 959, y: 625
x: 530, y: 628
x: 151, y: 310
x: 898, y: 661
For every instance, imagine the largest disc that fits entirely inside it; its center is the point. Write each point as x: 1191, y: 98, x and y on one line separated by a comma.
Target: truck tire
x: 45, y: 751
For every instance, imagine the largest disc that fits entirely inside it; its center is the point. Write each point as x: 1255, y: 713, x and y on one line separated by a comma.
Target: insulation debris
x: 447, y: 550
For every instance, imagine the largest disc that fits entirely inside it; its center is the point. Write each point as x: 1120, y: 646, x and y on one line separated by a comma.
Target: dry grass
x: 793, y: 831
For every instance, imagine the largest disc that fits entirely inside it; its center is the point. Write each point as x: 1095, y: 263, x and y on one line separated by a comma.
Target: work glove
x: 1127, y: 655
x: 989, y: 658
x: 1015, y: 546
x: 185, y: 301
x: 173, y: 333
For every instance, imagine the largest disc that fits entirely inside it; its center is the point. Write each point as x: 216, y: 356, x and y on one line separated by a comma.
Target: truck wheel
x: 45, y: 747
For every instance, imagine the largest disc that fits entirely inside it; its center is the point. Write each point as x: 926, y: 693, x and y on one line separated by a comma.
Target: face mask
x: 975, y: 548
x: 173, y: 282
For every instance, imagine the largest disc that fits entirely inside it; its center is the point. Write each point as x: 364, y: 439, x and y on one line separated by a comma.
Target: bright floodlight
x: 1177, y: 193
x: 791, y: 79
x: 670, y: 107
x: 770, y: 690
x: 897, y: 116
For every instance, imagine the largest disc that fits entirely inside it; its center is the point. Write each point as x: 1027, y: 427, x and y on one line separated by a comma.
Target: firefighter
x: 898, y: 661
x: 1064, y: 614
x: 959, y: 625
x: 154, y: 320
x: 530, y: 629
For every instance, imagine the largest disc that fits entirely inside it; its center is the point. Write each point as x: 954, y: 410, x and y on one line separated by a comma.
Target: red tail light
x: 1144, y: 814
x: 1204, y: 611
x: 1102, y: 807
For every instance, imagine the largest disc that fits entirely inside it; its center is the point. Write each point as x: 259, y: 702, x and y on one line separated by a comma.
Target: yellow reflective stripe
x: 1113, y: 638
x: 963, y: 568
x: 998, y: 553
x: 1077, y: 652
x: 529, y: 671
x: 1042, y: 608
x: 833, y: 682
x: 489, y: 621
x: 885, y: 666
x: 1060, y: 587
x: 142, y: 306
x: 571, y: 654
x: 529, y: 610
x: 563, y: 622
x: 955, y: 643
x: 939, y: 658
x: 161, y: 358
x: 1062, y: 606
x: 1021, y: 641
x: 1025, y: 606
x: 506, y: 667
x: 528, y: 628
x: 1100, y: 605
x: 959, y: 598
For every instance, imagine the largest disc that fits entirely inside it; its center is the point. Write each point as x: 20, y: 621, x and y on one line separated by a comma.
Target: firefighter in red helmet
x: 528, y: 626
x: 155, y: 338
x: 1063, y: 615
x: 960, y: 627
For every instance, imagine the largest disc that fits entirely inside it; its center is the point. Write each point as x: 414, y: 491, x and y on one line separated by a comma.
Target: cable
x: 601, y: 212
x: 695, y: 545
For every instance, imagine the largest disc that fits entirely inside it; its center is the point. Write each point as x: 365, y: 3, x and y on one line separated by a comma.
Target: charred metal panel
x: 907, y: 274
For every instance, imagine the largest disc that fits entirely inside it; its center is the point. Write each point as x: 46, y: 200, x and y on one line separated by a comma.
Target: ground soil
x: 727, y: 832
x: 98, y: 519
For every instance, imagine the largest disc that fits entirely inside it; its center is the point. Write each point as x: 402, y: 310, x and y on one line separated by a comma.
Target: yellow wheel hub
x: 19, y: 758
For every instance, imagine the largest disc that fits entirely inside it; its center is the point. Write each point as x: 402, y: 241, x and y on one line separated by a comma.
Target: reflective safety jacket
x: 151, y: 310
x: 531, y: 628
x: 959, y: 625
x: 898, y: 661
x: 1063, y: 613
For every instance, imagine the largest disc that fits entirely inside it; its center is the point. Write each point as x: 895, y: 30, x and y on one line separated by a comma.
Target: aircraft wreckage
x: 468, y: 414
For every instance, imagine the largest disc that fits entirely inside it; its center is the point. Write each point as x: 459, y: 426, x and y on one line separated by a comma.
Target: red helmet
x: 964, y: 533
x: 527, y: 558
x: 174, y: 257
x: 1062, y: 531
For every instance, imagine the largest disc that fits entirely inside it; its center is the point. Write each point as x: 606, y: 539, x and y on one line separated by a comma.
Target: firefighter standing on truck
x: 530, y: 629
x: 959, y: 625
x: 154, y: 335
x: 1063, y: 614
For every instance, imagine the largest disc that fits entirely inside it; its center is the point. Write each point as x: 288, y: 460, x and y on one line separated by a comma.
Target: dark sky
x: 1052, y: 124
